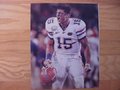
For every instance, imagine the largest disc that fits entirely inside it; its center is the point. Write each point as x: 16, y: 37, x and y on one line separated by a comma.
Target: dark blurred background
x: 41, y: 12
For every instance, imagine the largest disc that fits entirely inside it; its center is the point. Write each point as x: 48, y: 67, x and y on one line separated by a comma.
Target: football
x: 47, y: 75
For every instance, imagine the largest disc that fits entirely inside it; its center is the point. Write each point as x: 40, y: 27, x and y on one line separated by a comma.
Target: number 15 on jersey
x: 63, y: 43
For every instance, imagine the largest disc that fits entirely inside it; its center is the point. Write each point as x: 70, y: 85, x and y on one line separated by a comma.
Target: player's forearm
x: 49, y: 51
x: 87, y: 54
x: 86, y: 50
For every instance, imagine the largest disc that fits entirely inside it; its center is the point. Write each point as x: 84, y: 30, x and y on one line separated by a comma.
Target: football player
x: 66, y: 37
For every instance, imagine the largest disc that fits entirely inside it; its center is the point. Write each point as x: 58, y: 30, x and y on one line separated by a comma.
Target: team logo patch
x: 70, y: 34
x: 54, y: 28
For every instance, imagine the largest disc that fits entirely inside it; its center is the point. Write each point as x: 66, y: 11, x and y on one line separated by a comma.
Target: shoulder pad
x: 81, y: 26
x: 76, y: 21
x: 49, y: 23
x: 50, y: 20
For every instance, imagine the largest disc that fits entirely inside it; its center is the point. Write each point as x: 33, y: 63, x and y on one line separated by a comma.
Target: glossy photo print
x: 64, y: 39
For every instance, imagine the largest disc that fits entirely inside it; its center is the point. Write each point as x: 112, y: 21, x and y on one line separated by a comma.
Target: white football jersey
x: 66, y: 41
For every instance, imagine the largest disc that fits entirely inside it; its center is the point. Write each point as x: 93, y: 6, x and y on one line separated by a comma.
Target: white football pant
x: 68, y: 64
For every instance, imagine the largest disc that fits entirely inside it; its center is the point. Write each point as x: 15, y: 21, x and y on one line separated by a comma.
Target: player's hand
x: 87, y: 67
x: 47, y: 63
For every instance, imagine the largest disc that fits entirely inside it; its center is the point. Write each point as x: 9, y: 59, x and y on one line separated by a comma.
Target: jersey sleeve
x: 48, y: 28
x: 81, y: 30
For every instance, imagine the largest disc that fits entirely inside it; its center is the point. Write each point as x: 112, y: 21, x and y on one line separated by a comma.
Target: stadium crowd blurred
x: 40, y: 13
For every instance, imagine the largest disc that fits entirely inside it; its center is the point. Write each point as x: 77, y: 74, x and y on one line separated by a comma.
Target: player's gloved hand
x: 87, y: 67
x: 47, y: 63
